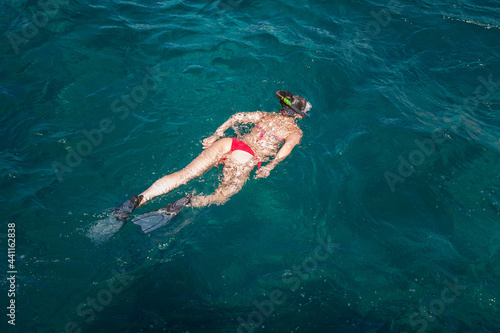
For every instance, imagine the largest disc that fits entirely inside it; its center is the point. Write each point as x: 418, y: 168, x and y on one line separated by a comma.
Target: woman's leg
x: 235, y: 176
x: 207, y: 159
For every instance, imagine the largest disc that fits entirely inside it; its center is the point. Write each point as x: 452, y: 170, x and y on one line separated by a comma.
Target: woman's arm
x: 290, y: 142
x: 238, y: 118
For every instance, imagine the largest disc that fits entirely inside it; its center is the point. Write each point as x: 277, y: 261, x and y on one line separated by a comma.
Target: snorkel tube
x: 288, y: 108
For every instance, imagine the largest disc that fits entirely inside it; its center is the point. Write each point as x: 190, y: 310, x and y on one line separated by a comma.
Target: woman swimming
x: 272, y: 138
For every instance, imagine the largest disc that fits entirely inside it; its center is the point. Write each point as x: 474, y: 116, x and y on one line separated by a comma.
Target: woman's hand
x: 263, y: 172
x: 209, y: 141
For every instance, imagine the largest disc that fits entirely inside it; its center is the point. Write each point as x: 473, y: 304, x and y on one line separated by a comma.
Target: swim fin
x: 123, y: 211
x: 158, y: 218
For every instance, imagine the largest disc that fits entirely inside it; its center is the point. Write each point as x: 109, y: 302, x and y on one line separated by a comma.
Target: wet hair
x: 299, y: 102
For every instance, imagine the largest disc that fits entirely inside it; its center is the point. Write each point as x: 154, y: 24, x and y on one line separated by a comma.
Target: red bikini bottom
x: 240, y: 145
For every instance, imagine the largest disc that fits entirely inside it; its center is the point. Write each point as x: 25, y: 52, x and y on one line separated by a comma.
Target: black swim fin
x: 154, y: 220
x: 123, y: 211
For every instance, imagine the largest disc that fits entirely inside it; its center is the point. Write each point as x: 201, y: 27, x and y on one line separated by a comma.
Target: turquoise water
x: 384, y: 219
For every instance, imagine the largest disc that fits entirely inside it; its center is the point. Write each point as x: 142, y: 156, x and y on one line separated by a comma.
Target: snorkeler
x: 273, y: 135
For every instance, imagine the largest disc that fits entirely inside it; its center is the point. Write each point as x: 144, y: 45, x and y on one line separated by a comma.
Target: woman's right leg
x: 207, y: 159
x: 235, y: 176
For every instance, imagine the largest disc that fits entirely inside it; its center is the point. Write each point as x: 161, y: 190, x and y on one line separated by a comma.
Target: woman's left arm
x: 290, y: 142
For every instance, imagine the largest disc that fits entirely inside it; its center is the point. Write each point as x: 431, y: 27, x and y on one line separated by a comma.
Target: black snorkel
x: 289, y: 109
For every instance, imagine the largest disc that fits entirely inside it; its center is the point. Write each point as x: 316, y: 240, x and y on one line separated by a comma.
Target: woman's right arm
x: 238, y: 118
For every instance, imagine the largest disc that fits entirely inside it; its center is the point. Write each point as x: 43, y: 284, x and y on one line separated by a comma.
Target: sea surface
x: 386, y: 217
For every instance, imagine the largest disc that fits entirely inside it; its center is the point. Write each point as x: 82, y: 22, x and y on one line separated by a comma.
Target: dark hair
x: 299, y: 101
